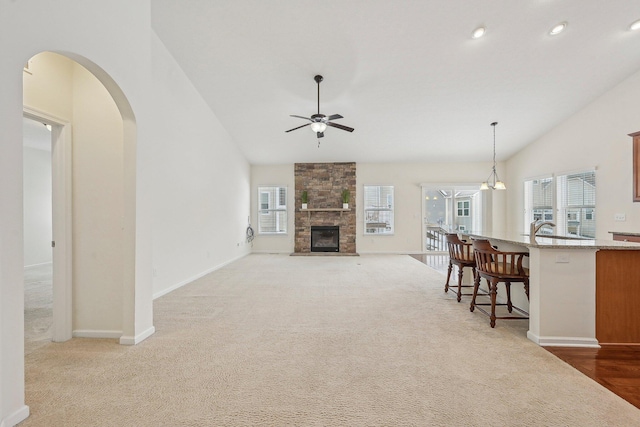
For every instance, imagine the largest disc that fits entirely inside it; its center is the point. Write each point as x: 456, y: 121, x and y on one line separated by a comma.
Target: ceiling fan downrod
x: 318, y: 78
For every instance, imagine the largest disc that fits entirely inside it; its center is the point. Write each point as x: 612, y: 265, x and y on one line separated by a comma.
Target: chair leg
x: 526, y: 287
x: 446, y: 285
x: 493, y: 290
x: 476, y: 285
x: 460, y: 268
x: 507, y: 285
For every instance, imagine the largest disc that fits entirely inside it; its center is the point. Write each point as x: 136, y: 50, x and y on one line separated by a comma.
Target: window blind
x: 378, y: 209
x: 272, y: 210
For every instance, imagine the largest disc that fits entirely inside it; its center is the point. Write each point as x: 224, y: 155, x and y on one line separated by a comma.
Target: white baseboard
x: 197, y: 276
x: 130, y: 340
x: 563, y: 341
x: 90, y: 333
x: 16, y: 417
x: 272, y: 252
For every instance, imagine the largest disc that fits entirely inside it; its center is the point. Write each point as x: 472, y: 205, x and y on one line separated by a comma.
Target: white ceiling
x: 405, y: 74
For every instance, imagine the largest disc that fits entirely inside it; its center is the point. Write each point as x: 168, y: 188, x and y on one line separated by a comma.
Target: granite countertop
x: 556, y: 243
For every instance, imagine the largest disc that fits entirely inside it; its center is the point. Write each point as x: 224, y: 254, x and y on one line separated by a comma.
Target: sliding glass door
x: 447, y: 209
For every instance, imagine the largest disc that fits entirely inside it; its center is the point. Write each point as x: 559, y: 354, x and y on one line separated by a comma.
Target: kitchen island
x: 582, y: 293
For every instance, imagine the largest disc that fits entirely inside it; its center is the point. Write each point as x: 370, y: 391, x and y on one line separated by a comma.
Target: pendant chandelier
x: 493, y: 182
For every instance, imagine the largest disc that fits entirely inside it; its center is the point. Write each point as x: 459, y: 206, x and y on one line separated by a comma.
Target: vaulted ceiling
x: 406, y: 74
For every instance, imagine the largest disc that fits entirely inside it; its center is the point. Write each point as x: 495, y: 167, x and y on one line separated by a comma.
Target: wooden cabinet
x: 617, y: 297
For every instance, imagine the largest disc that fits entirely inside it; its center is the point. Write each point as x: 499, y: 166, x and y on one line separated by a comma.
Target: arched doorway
x: 94, y: 218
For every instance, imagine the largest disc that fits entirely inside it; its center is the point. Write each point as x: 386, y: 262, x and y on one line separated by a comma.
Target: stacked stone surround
x: 324, y: 183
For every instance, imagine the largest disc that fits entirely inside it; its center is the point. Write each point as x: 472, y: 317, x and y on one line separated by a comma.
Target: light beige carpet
x: 274, y: 340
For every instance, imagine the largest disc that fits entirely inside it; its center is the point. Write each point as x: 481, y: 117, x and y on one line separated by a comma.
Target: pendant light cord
x: 495, y: 176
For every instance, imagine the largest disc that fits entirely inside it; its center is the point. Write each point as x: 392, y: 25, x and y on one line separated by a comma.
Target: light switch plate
x: 620, y: 217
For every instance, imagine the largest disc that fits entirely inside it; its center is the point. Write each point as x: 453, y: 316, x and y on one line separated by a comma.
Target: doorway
x: 47, y: 223
x: 449, y: 209
x: 37, y: 231
x: 102, y: 263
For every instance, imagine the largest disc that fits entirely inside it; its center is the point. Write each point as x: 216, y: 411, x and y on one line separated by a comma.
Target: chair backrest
x: 459, y: 250
x: 492, y: 262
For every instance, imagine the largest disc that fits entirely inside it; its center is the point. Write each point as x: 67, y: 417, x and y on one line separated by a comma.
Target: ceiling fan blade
x: 297, y: 127
x: 300, y: 117
x: 335, y: 125
x: 334, y: 117
x: 320, y: 134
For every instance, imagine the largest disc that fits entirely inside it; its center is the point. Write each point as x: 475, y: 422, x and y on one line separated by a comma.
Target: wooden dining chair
x: 497, y: 266
x: 461, y: 255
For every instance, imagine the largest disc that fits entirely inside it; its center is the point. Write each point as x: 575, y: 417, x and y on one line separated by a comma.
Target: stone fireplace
x: 324, y: 183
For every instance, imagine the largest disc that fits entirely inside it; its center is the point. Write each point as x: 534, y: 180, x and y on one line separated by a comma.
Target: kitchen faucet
x: 537, y: 225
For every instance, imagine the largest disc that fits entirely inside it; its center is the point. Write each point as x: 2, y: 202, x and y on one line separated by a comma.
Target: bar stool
x: 460, y: 254
x: 498, y: 266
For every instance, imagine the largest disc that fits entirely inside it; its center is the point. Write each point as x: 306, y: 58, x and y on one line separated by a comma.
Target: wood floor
x: 616, y: 367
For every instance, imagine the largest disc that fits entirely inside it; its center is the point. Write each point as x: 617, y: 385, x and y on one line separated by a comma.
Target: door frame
x: 62, y: 229
x: 436, y: 185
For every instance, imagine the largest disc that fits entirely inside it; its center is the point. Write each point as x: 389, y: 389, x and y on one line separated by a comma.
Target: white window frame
x: 375, y: 211
x: 566, y: 212
x: 544, y: 212
x: 277, y: 209
x: 560, y: 207
x: 434, y: 228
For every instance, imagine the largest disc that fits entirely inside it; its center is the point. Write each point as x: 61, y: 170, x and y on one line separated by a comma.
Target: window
x: 576, y: 204
x: 272, y: 210
x: 264, y: 202
x: 571, y: 196
x: 538, y: 195
x: 464, y: 207
x: 378, y: 209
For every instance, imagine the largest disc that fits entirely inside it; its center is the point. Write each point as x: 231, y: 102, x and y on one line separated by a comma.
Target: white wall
x: 98, y: 208
x: 596, y: 136
x: 165, y: 123
x: 406, y: 179
x: 201, y: 182
x: 37, y: 206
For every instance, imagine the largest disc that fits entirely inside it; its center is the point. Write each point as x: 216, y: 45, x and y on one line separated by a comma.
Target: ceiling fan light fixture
x: 635, y: 25
x: 478, y: 32
x: 557, y: 29
x: 319, y: 122
x: 318, y: 127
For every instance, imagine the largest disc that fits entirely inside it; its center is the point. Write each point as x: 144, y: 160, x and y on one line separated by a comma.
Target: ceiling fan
x: 319, y: 122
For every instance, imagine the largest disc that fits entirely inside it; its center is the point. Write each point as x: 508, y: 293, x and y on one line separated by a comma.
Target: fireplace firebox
x: 325, y: 238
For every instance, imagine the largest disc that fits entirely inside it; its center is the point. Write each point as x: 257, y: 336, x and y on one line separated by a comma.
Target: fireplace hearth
x: 325, y: 238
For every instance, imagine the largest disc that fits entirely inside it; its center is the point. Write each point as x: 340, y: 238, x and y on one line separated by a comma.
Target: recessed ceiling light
x: 635, y: 25
x: 557, y: 29
x: 478, y: 32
